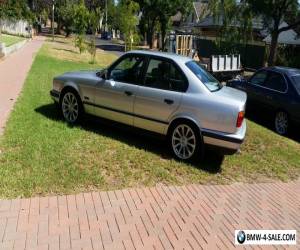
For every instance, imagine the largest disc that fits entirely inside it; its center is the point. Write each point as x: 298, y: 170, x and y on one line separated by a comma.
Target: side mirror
x: 104, y: 74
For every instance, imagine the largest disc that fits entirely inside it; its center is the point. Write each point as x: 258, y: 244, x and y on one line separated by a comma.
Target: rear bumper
x: 227, y: 142
x: 55, y: 95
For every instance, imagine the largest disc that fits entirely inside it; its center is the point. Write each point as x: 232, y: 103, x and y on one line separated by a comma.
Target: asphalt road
x: 108, y: 46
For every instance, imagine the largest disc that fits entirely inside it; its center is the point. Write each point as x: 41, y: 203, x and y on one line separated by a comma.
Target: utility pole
x: 53, y: 20
x: 106, y: 16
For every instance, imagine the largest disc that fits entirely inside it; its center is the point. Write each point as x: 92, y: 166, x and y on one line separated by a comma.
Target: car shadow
x: 140, y: 139
x: 267, y: 120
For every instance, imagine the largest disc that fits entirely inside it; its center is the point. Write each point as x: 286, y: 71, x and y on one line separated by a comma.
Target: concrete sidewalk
x: 188, y: 217
x: 13, y: 72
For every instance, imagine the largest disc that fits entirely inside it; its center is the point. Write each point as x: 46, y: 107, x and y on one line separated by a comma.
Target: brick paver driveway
x: 189, y: 217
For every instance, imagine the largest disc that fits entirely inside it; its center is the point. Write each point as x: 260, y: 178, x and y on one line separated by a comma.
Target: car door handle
x: 168, y: 101
x: 269, y: 97
x: 128, y: 93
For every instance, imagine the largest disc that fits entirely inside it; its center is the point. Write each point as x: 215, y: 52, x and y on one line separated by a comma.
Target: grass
x: 9, y: 40
x: 63, y: 49
x: 41, y: 154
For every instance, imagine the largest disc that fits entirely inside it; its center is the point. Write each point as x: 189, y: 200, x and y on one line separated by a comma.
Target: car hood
x: 80, y: 74
x: 233, y: 95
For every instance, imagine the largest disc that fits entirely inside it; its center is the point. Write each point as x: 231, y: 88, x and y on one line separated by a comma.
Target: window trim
x: 272, y: 71
x: 124, y: 57
x: 144, y: 72
x: 294, y: 83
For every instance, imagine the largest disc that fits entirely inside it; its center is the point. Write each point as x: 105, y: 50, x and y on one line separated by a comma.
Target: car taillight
x: 240, y: 119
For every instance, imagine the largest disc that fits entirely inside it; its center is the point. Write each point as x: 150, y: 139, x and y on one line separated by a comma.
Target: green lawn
x: 9, y: 40
x: 41, y: 154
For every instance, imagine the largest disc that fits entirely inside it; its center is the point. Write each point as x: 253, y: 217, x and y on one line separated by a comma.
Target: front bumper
x: 225, y: 141
x: 55, y: 95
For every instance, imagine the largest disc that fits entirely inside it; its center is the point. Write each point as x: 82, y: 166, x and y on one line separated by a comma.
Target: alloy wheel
x: 70, y: 107
x: 184, y: 141
x: 281, y: 122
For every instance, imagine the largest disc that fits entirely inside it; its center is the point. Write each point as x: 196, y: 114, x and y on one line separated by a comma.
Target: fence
x: 252, y: 55
x: 20, y: 27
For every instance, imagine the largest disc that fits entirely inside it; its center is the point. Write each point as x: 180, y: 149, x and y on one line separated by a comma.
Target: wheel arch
x: 69, y: 86
x: 182, y: 119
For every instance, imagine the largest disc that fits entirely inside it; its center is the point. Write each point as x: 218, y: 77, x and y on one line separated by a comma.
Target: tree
x: 128, y: 20
x: 160, y: 12
x: 81, y: 22
x: 273, y: 14
x: 235, y: 20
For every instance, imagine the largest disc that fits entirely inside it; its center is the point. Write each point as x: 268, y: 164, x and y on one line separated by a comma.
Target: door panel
x: 114, y: 102
x: 153, y: 107
x: 114, y: 98
x: 256, y: 91
x: 160, y: 96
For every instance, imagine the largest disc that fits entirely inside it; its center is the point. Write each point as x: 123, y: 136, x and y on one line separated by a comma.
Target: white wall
x: 15, y: 27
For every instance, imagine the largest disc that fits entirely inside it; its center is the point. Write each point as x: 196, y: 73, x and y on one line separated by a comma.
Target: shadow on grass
x: 67, y: 50
x: 140, y: 139
x: 112, y: 47
x: 267, y: 120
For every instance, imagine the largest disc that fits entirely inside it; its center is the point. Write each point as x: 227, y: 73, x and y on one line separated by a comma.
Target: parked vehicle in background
x: 164, y: 93
x: 275, y: 90
x: 106, y: 35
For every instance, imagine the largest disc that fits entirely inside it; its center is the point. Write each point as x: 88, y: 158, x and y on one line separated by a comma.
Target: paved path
x: 13, y: 72
x: 190, y: 217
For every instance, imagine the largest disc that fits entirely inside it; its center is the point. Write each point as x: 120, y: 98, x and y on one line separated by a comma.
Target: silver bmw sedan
x: 163, y: 93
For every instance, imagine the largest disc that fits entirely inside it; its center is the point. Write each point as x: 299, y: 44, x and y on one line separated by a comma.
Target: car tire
x: 71, y: 107
x: 281, y: 122
x: 185, y: 141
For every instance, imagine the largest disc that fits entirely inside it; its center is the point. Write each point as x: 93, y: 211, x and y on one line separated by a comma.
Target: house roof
x: 289, y: 37
x: 211, y: 21
x: 177, y: 17
x: 201, y: 9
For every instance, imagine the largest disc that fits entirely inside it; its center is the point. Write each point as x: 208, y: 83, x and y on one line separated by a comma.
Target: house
x: 289, y: 37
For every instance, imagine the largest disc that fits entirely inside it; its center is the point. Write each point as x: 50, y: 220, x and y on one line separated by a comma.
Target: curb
x: 5, y: 51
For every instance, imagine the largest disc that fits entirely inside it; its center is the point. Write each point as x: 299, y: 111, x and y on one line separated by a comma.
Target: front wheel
x: 185, y: 141
x: 71, y: 107
x: 281, y: 122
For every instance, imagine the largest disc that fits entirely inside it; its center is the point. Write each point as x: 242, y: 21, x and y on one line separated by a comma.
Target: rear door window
x: 276, y: 81
x: 165, y: 75
x: 259, y: 78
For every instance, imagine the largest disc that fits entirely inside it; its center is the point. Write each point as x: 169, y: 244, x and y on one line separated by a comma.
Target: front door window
x: 127, y: 70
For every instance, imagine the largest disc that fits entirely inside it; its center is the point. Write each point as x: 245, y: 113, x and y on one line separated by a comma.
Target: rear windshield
x: 206, y: 78
x: 296, y: 80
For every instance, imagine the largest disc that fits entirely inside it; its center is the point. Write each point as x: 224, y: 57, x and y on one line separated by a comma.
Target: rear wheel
x: 281, y: 122
x: 185, y: 141
x: 71, y: 107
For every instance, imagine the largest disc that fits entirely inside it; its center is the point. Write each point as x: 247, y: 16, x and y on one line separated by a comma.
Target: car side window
x: 259, y: 78
x: 164, y: 75
x: 276, y: 82
x: 128, y: 70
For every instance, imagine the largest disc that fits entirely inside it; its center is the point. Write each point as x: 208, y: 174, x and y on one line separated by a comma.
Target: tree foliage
x: 237, y: 18
x: 15, y: 9
x: 127, y: 20
x: 156, y: 14
x: 273, y: 14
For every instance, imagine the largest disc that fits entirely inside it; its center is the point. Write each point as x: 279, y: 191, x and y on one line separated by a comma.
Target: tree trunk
x: 163, y: 34
x: 151, y: 33
x: 273, y: 48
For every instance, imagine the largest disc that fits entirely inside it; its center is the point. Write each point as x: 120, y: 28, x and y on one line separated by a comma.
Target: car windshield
x: 296, y: 80
x: 206, y: 78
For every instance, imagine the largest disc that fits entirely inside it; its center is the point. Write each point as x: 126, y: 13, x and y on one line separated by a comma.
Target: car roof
x: 288, y: 71
x: 172, y: 56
